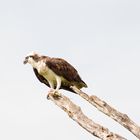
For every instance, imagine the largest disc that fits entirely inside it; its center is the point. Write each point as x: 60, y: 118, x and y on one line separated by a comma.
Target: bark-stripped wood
x: 77, y: 115
x: 119, y: 117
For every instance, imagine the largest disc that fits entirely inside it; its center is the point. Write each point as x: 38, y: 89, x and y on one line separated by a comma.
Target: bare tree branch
x: 77, y: 115
x: 119, y: 117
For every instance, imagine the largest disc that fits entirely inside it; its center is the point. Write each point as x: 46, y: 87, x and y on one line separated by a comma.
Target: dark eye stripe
x: 31, y: 56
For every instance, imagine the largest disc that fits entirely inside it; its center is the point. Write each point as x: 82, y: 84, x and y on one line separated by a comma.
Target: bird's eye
x: 26, y: 57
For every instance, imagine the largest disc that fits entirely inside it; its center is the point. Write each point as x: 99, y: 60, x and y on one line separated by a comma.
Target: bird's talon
x: 56, y: 95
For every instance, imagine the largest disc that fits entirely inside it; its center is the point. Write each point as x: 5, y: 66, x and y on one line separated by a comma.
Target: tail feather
x: 84, y: 84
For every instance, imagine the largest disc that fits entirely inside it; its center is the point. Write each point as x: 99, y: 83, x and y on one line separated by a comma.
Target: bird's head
x: 32, y: 58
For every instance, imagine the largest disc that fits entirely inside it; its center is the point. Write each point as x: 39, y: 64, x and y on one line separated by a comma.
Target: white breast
x: 46, y: 72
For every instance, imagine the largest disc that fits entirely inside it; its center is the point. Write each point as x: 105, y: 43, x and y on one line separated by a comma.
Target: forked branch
x: 119, y: 117
x: 77, y: 115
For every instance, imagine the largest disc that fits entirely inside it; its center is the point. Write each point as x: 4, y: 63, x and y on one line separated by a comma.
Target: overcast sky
x: 101, y: 39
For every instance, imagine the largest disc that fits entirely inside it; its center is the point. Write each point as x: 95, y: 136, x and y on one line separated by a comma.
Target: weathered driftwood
x: 77, y: 115
x: 119, y: 117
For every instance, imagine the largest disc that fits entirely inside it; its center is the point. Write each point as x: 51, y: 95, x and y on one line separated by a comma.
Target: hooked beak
x: 25, y: 61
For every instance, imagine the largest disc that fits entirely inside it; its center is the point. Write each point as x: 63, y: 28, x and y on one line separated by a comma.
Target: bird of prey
x: 56, y: 73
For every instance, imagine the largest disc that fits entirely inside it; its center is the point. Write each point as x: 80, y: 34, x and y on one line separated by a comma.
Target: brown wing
x: 64, y: 69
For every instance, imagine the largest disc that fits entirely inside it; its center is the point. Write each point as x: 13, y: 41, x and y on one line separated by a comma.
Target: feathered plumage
x: 56, y: 73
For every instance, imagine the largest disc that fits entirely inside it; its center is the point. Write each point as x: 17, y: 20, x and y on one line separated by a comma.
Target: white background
x: 100, y: 38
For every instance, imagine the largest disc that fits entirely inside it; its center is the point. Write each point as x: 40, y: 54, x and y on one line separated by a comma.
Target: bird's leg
x: 58, y: 81
x: 56, y: 91
x: 51, y: 86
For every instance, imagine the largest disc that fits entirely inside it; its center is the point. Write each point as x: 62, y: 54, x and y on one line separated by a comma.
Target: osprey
x: 56, y: 73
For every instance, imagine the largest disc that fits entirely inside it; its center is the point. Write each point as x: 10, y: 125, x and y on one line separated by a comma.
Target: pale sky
x: 101, y: 39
